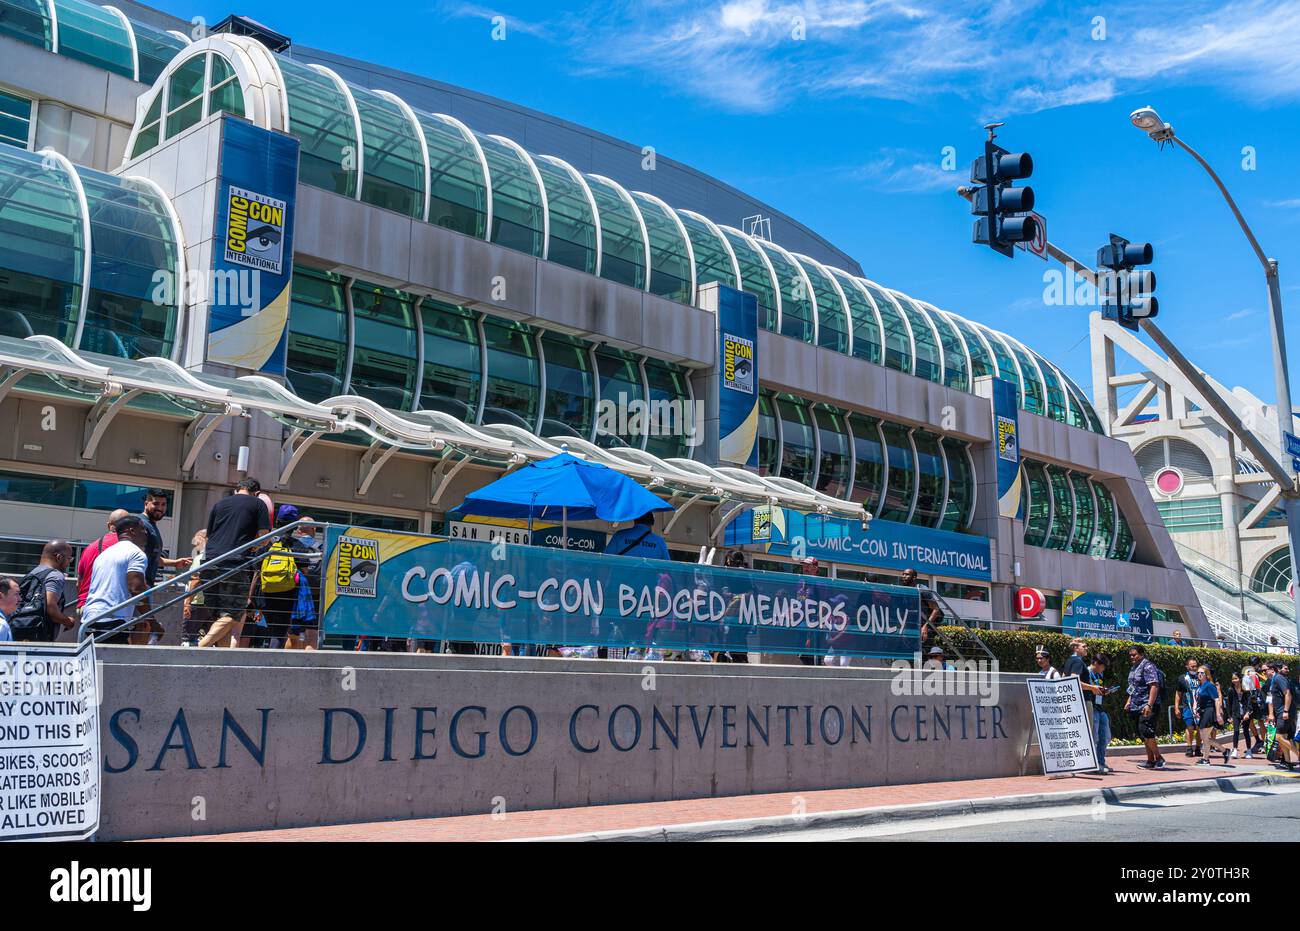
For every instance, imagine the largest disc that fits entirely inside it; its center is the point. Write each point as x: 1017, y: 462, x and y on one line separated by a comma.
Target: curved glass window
x: 755, y: 277
x: 185, y: 95
x: 393, y: 170
x: 898, y: 342
x: 42, y: 249
x: 518, y: 217
x: 955, y: 374
x: 832, y: 314
x: 928, y: 363
x: 900, y: 493
x: 1038, y: 513
x: 154, y: 48
x: 1085, y: 514
x: 27, y: 21
x: 573, y: 221
x: 869, y: 460
x: 1123, y: 549
x: 670, y: 258
x: 512, y: 374
x: 960, y: 507
x: 318, y: 335
x: 798, y: 306
x: 570, y: 406
x: 929, y: 489
x: 452, y: 367
x: 622, y: 244
x: 769, y: 444
x: 833, y: 463
x: 131, y: 238
x: 1105, y: 534
x: 1058, y: 537
x: 321, y: 119
x: 866, y: 328
x: 1056, y: 406
x: 224, y: 91
x: 92, y: 34
x: 1274, y: 573
x: 1074, y: 412
x: 712, y: 260
x: 798, y: 445
x: 457, y: 185
x: 1034, y: 398
x: 1007, y: 369
x: 670, y: 412
x: 383, y: 346
x: 981, y: 362
x: 1091, y: 420
x: 621, y: 394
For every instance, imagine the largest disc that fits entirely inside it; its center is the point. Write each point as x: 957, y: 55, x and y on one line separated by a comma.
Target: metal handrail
x: 182, y: 576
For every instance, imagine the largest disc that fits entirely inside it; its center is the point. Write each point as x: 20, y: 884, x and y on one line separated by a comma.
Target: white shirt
x: 1050, y: 673
x: 108, y: 580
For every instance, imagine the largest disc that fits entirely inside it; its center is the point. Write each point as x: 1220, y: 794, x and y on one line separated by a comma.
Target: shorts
x: 1189, y: 716
x: 1285, y: 726
x: 1145, y: 726
x: 1209, y: 718
x: 229, y: 597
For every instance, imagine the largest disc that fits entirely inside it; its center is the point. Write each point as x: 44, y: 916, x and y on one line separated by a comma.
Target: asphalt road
x: 1271, y: 811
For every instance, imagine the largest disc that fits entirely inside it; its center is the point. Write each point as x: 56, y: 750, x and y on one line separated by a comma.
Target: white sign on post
x: 49, y: 742
x: 1063, y: 722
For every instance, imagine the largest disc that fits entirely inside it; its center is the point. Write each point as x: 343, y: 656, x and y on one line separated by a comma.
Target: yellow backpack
x: 279, y: 569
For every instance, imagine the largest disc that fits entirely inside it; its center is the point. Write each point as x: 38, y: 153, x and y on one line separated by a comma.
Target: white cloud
x: 897, y: 171
x: 1239, y: 314
x: 1006, y: 56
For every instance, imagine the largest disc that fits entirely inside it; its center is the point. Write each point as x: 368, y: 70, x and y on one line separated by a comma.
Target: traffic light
x: 1125, y: 290
x: 999, y: 205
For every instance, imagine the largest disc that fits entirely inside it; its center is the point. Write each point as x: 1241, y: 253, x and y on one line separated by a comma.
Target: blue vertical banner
x: 1006, y: 438
x: 252, y: 248
x: 737, y: 377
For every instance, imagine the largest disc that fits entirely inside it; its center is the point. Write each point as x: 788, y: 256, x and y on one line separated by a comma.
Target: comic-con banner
x: 1006, y: 436
x: 384, y: 584
x: 252, y: 253
x: 738, y: 380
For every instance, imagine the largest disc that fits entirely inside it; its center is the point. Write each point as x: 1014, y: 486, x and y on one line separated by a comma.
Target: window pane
x: 927, y: 346
x: 797, y: 449
x: 670, y: 264
x: 768, y: 448
x: 832, y: 317
x: 512, y: 374
x: 94, y: 35
x: 866, y: 329
x: 902, y: 474
x: 981, y: 361
x: 384, y: 347
x: 42, y: 258
x: 1034, y: 400
x: 1105, y: 534
x: 621, y: 243
x: 320, y: 117
x: 394, y: 162
x: 755, y: 277
x: 833, y: 473
x: 955, y: 373
x: 227, y: 98
x: 712, y: 260
x: 15, y: 119
x: 620, y: 385
x: 1058, y: 538
x: 1007, y: 369
x: 796, y: 299
x: 570, y: 387
x: 180, y: 120
x: 929, y: 489
x: 869, y: 470
x: 451, y: 360
x: 27, y: 21
x: 573, y: 223
x: 898, y: 346
x: 961, y: 487
x: 517, y: 215
x: 1038, y: 516
x: 155, y: 48
x: 671, y: 413
x: 1056, y: 408
x: 318, y: 335
x: 458, y: 190
x: 1084, y: 514
x: 186, y: 83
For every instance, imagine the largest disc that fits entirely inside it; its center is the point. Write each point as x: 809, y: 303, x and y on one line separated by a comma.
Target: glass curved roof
x: 98, y: 35
x: 431, y: 166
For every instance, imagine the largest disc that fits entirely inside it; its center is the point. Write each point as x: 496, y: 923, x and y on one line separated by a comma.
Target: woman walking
x: 1208, y: 706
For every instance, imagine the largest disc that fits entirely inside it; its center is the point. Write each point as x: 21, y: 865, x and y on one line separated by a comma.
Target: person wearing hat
x: 1045, y: 664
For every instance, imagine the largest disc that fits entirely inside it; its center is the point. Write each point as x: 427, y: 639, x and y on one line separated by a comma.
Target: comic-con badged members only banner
x: 404, y: 585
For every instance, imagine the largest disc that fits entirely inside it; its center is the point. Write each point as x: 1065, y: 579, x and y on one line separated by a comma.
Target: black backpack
x: 30, y: 619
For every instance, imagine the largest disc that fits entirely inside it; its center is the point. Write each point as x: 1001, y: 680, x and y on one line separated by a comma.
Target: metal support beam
x: 1139, y: 402
x: 8, y: 378
x: 443, y: 473
x: 677, y: 514
x: 199, y: 431
x: 1261, y: 508
x: 723, y: 514
x: 99, y: 417
x: 293, y: 449
x: 372, y: 460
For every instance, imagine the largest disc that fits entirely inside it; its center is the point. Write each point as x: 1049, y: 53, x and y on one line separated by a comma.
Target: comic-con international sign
x: 255, y: 230
x: 384, y: 584
x: 1006, y: 431
x: 737, y: 363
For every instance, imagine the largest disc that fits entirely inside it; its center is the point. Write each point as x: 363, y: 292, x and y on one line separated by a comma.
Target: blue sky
x: 839, y: 114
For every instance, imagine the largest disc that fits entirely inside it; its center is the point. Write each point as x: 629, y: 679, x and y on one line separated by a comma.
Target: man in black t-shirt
x: 235, y: 520
x: 1281, y: 714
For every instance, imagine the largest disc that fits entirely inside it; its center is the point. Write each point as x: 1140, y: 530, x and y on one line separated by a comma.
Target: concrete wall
x: 465, y: 734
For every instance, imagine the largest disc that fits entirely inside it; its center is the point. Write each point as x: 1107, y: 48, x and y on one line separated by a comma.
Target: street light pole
x: 1147, y: 120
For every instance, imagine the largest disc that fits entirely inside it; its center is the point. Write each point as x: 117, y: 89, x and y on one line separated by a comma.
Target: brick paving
x: 556, y: 822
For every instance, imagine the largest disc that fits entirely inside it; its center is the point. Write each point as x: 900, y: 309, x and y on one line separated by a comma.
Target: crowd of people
x: 1259, y: 703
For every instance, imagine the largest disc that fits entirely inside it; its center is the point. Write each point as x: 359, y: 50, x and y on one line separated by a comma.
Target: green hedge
x: 1015, y: 650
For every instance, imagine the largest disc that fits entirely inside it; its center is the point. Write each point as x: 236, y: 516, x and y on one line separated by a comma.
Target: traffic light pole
x: 1285, y: 479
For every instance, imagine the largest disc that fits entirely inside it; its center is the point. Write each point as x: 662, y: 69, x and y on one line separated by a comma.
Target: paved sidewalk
x: 526, y: 825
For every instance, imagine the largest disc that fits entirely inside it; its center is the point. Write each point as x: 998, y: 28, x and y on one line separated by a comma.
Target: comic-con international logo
x: 1008, y: 448
x: 358, y: 567
x: 255, y: 230
x: 737, y: 363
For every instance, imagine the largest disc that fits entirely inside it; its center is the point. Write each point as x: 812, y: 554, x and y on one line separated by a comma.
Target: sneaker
x: 1190, y: 752
x: 1233, y: 753
x: 1202, y: 762
x: 1248, y: 755
x: 1160, y: 763
x: 1146, y: 764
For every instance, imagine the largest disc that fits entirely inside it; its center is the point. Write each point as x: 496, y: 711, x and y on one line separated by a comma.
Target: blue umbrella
x: 565, y: 486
